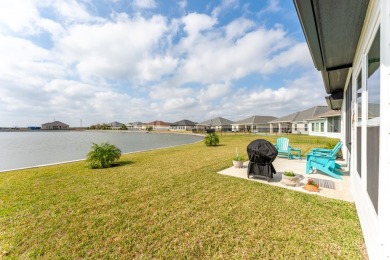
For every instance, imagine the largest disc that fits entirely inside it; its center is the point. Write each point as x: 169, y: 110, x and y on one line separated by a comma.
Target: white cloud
x: 237, y: 51
x: 273, y: 6
x: 195, y: 23
x: 18, y: 15
x: 214, y: 92
x: 72, y: 11
x: 163, y: 92
x: 121, y: 49
x: 144, y: 4
x: 226, y: 4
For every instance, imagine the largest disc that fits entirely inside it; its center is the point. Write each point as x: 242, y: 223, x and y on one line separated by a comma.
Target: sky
x: 87, y: 62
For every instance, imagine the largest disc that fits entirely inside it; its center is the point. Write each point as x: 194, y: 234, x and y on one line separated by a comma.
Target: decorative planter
x: 290, y: 180
x: 238, y: 164
x: 311, y: 188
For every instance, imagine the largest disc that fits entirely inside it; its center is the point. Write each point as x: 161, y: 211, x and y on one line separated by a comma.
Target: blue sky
x: 145, y: 60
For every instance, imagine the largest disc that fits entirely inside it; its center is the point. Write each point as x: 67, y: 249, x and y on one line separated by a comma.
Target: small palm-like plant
x: 211, y: 139
x: 103, y: 155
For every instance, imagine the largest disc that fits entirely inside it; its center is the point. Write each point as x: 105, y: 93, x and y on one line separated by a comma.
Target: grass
x: 170, y: 203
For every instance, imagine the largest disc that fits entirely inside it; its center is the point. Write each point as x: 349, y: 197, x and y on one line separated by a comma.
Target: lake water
x: 28, y: 149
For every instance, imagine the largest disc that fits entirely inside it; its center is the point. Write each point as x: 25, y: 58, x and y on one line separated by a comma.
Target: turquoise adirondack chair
x: 328, y: 151
x: 324, y: 161
x: 283, y: 147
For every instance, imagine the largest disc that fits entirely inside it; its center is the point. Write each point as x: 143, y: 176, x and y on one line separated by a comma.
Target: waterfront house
x: 158, y: 125
x: 115, y: 125
x: 255, y: 124
x: 56, y: 125
x: 326, y: 124
x: 218, y: 123
x: 137, y: 125
x: 182, y: 125
x: 349, y: 42
x: 296, y: 123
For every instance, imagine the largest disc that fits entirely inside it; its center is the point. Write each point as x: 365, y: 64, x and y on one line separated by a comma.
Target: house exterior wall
x: 181, y: 128
x: 55, y: 126
x: 300, y: 128
x: 261, y: 128
x: 256, y: 128
x: 374, y: 219
x: 238, y: 128
x: 320, y: 127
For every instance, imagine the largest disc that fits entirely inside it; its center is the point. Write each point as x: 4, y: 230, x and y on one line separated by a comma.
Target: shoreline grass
x: 170, y: 203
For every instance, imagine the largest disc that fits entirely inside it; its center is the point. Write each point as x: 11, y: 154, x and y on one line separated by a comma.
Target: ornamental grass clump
x: 103, y: 155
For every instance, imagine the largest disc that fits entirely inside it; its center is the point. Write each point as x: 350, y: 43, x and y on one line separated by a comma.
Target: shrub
x: 103, y: 155
x: 211, y: 139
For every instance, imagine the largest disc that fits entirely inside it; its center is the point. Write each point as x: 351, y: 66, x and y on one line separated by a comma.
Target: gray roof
x: 115, y: 124
x: 304, y: 115
x: 137, y: 123
x: 217, y: 121
x: 288, y: 118
x: 55, y: 123
x: 310, y: 113
x: 255, y: 120
x: 184, y: 122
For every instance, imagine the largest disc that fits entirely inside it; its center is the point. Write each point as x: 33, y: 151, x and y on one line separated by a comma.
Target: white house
x: 182, y: 125
x: 218, y: 123
x: 349, y: 42
x: 326, y: 124
x: 258, y: 124
x: 56, y: 125
x: 296, y: 123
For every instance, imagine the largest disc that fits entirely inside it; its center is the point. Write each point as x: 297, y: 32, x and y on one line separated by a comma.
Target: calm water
x: 26, y: 149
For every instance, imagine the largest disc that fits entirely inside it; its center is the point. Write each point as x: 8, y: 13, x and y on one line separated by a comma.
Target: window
x: 358, y: 123
x: 322, y: 127
x: 312, y: 127
x: 334, y: 124
x: 373, y: 123
x: 306, y: 128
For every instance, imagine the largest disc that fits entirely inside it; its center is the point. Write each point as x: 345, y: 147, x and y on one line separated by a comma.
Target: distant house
x: 56, y: 125
x: 136, y: 125
x: 326, y: 124
x: 300, y: 125
x: 282, y: 124
x: 183, y: 125
x: 254, y: 124
x: 297, y: 122
x: 115, y: 125
x: 158, y: 125
x: 218, y: 123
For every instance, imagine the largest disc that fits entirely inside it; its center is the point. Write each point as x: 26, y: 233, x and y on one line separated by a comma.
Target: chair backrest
x: 336, y: 148
x: 282, y: 143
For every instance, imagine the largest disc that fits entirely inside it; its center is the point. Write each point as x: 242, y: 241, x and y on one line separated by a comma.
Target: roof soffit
x: 332, y: 29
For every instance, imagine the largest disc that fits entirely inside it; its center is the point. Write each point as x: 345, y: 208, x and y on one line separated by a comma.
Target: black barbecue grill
x: 261, y: 154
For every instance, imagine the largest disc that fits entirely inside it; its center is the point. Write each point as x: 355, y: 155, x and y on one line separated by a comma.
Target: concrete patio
x: 331, y: 187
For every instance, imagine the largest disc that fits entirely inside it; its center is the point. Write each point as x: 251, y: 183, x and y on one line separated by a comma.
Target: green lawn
x: 170, y: 203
